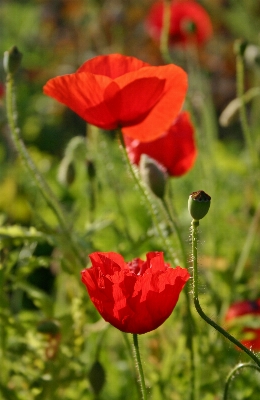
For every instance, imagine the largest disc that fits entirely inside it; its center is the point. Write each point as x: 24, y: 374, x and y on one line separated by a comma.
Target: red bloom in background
x: 236, y: 315
x: 189, y: 22
x: 2, y: 90
x: 175, y: 150
x: 137, y: 296
x: 116, y: 91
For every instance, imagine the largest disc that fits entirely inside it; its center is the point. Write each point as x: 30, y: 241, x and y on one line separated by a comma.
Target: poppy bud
x: 97, y: 377
x: 198, y: 204
x: 12, y: 60
x: 50, y: 327
x: 153, y: 174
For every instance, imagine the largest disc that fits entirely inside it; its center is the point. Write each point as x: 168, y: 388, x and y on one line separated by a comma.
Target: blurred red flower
x: 189, y: 22
x: 236, y: 316
x: 115, y: 91
x: 2, y: 90
x: 175, y: 150
x: 137, y: 296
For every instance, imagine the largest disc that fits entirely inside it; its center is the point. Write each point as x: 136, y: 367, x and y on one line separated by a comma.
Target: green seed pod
x: 12, y: 60
x: 154, y: 175
x: 198, y: 204
x: 97, y: 377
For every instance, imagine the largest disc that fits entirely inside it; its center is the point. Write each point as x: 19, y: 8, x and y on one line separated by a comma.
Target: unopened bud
x: 12, y: 60
x: 154, y: 175
x: 198, y: 204
x: 50, y: 327
x: 97, y: 377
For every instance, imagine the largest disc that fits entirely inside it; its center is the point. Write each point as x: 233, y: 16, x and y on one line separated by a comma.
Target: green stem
x: 194, y: 226
x: 191, y: 322
x: 232, y: 374
x: 247, y: 245
x: 139, y: 366
x: 148, y: 201
x: 243, y: 117
x: 164, y: 39
x: 31, y: 167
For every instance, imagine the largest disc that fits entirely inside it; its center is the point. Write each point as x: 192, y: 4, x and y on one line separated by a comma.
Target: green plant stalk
x: 186, y: 291
x: 132, y: 365
x: 164, y: 39
x: 243, y: 117
x: 232, y: 374
x: 32, y: 169
x: 139, y: 366
x: 167, y: 246
x: 194, y: 238
x: 148, y: 200
x: 247, y: 245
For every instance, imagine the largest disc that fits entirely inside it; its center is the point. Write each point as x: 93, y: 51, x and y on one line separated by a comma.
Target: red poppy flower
x: 137, y: 296
x: 116, y: 91
x: 236, y: 315
x: 189, y: 22
x: 243, y: 308
x: 175, y: 150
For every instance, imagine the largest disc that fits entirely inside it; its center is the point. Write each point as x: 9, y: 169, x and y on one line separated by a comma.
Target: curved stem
x: 243, y: 117
x: 232, y: 373
x: 227, y: 335
x: 139, y: 366
x: 31, y: 167
x: 148, y: 201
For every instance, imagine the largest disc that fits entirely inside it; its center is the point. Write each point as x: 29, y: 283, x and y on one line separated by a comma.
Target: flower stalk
x: 194, y: 239
x: 233, y: 373
x: 148, y: 201
x: 243, y: 113
x: 139, y: 366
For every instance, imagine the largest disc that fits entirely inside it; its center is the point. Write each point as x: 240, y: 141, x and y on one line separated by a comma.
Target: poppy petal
x: 166, y: 109
x: 126, y: 106
x: 139, y: 302
x: 84, y: 94
x: 112, y: 65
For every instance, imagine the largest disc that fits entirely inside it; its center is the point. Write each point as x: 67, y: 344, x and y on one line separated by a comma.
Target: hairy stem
x: 194, y: 227
x: 234, y: 372
x: 139, y: 366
